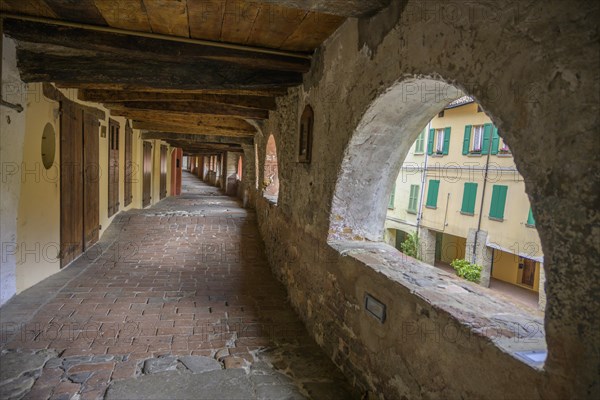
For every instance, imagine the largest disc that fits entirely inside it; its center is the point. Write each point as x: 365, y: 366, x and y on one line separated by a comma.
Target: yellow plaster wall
x: 506, y: 266
x: 453, y: 247
x: 38, y: 220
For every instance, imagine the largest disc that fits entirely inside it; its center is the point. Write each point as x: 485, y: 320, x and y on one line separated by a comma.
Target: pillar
x: 542, y: 289
x: 427, y: 240
x: 482, y: 255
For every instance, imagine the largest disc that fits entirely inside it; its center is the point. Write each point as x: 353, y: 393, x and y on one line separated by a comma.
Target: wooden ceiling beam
x: 268, y: 92
x: 345, y: 8
x: 207, y: 147
x: 113, y: 96
x: 76, y: 41
x: 196, y: 138
x: 190, y: 107
x: 190, y: 120
x: 189, y: 129
x: 42, y: 65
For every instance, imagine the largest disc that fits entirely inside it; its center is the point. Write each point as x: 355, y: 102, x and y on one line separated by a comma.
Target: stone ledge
x: 486, y: 314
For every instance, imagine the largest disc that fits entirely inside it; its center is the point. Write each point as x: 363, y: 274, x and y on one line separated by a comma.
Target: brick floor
x: 185, y: 277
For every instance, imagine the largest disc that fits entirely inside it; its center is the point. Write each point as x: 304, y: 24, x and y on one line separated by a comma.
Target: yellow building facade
x: 471, y: 200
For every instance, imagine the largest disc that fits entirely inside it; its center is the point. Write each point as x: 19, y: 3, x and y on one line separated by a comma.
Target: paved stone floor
x: 519, y: 296
x: 176, y: 301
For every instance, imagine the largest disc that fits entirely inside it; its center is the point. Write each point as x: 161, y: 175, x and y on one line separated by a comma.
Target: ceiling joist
x: 346, y: 8
x: 194, y: 130
x: 118, y: 96
x: 191, y: 139
x: 190, y: 107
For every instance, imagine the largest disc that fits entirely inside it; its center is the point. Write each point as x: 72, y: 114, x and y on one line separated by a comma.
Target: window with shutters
x: 392, y: 198
x: 530, y: 220
x: 469, y: 197
x: 481, y: 139
x: 438, y: 141
x: 432, y: 193
x: 498, y: 202
x: 476, y: 137
x: 420, y: 143
x: 413, y: 199
x: 503, y: 147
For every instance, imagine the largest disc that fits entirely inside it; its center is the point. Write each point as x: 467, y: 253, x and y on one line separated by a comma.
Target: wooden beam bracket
x: 17, y: 107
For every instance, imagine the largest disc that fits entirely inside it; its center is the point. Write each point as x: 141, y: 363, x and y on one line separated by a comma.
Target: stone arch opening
x: 376, y: 151
x: 373, y: 159
x: 271, y: 171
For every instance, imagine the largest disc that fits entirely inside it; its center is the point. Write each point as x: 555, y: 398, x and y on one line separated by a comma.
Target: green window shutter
x: 420, y: 142
x: 487, y: 135
x: 392, y: 196
x: 467, y: 139
x: 530, y: 219
x: 446, y: 147
x: 430, y: 141
x: 469, y: 196
x: 498, y: 201
x: 495, y: 141
x: 414, y: 198
x: 432, y: 193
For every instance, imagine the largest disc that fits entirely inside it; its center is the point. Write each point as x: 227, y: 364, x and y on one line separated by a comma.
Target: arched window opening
x: 256, y: 164
x: 449, y: 195
x: 306, y: 135
x: 239, y: 168
x: 271, y: 172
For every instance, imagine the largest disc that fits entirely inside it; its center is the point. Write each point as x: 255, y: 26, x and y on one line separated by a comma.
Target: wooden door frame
x: 113, y: 204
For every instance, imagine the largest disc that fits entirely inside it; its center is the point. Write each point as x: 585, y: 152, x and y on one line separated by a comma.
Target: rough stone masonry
x: 533, y: 66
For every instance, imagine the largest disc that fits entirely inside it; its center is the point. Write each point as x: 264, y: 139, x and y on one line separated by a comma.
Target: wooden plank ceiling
x: 243, y: 54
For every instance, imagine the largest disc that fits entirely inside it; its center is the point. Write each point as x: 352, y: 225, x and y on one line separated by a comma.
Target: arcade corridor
x: 182, y: 287
x: 263, y: 271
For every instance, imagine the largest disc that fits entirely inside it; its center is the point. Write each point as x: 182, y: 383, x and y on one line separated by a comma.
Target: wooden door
x: 192, y: 167
x: 147, y: 175
x: 91, y: 180
x: 176, y: 160
x: 163, y: 172
x: 129, y: 167
x: 71, y: 183
x: 528, y: 272
x: 113, y: 167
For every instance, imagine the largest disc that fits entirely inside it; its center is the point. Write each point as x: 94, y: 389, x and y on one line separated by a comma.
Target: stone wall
x: 534, y: 69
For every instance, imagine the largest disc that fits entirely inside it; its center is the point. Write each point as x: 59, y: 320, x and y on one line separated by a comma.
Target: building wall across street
x: 459, y: 178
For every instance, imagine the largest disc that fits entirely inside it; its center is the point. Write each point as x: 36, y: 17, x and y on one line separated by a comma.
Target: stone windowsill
x: 487, y: 314
x: 272, y: 200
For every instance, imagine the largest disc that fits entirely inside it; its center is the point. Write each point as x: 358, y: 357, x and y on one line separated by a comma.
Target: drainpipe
x: 485, y: 176
x: 423, y: 178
